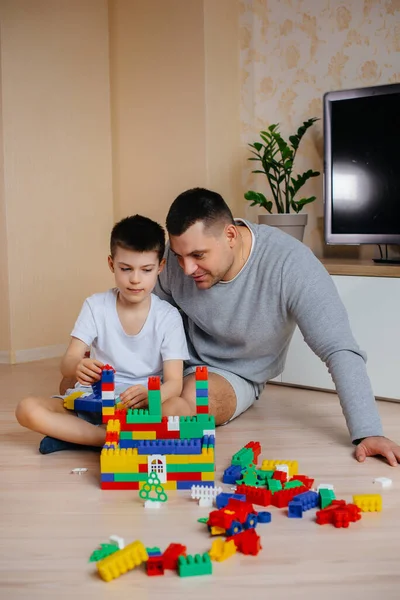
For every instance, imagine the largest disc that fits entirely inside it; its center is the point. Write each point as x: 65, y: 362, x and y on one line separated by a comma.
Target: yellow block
x: 206, y: 456
x: 368, y: 502
x: 114, y: 425
x: 120, y: 461
x: 168, y: 485
x: 122, y: 561
x: 217, y: 530
x: 269, y: 465
x: 108, y: 410
x: 208, y: 476
x: 69, y: 401
x: 144, y: 435
x: 221, y: 550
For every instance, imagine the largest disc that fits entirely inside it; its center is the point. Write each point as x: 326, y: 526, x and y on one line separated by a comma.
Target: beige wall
x: 57, y: 163
x: 294, y: 52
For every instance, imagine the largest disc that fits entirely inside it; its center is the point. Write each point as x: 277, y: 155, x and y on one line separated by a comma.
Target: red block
x: 155, y: 566
x: 184, y: 476
x: 112, y: 436
x: 106, y: 418
x: 260, y: 496
x: 143, y: 468
x: 202, y: 410
x: 119, y: 485
x: 247, y: 542
x: 171, y: 555
x: 256, y: 447
x: 304, y: 479
x: 108, y: 368
x: 201, y: 373
x: 153, y: 383
x: 280, y: 476
x: 107, y: 387
x: 281, y: 498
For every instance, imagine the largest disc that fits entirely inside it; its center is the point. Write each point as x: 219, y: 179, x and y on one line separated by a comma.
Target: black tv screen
x: 362, y: 165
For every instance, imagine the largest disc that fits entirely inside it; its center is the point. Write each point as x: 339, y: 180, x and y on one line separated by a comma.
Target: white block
x: 325, y: 486
x: 209, y: 432
x: 79, y: 470
x: 119, y: 540
x: 152, y: 504
x: 173, y: 423
x: 385, y: 482
x: 283, y: 468
x: 208, y: 492
x: 108, y: 395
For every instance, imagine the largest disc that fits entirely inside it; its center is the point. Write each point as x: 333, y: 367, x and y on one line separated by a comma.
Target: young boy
x: 127, y: 327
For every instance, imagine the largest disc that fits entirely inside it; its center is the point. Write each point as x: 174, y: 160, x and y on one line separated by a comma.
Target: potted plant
x: 277, y: 159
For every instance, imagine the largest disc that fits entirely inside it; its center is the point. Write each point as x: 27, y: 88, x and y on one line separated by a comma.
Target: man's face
x: 206, y: 255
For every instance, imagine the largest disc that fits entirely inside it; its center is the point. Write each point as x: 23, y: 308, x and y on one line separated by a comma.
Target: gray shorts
x: 246, y: 391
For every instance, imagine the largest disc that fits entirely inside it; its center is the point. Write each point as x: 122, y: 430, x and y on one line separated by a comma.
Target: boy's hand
x: 134, y: 397
x: 378, y: 445
x: 88, y: 371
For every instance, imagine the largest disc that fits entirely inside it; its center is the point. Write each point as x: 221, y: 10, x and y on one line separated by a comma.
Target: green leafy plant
x: 277, y: 159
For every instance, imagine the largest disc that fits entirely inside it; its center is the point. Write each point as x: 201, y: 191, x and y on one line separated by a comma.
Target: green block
x: 201, y: 401
x: 264, y: 475
x: 325, y: 497
x: 125, y: 435
x: 103, y: 551
x: 201, y: 385
x: 191, y: 468
x: 154, y: 398
x: 193, y: 427
x: 274, y: 485
x: 293, y: 484
x: 208, y: 421
x: 139, y: 415
x: 153, y: 550
x: 130, y: 476
x: 199, y: 564
x: 244, y: 457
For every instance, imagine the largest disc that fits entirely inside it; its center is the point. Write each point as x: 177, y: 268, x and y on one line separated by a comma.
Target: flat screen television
x: 362, y: 166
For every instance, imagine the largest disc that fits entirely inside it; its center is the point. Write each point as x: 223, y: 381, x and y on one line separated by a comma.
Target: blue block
x: 96, y: 387
x: 88, y: 404
x: 108, y: 376
x: 201, y: 393
x: 264, y: 517
x: 108, y: 403
x: 295, y: 510
x: 222, y: 499
x: 186, y: 446
x: 186, y: 485
x: 208, y: 441
x: 232, y: 474
x: 107, y: 477
x: 151, y: 552
x: 306, y: 500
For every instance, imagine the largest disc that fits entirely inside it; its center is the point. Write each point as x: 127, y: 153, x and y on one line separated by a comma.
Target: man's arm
x: 311, y: 297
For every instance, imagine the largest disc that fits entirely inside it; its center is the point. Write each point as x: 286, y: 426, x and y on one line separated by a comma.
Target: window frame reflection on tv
x: 362, y: 165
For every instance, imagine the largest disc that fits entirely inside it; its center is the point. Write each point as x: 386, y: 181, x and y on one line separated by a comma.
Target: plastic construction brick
x: 325, y: 497
x: 199, y: 564
x: 96, y: 387
x: 256, y: 447
x: 307, y: 500
x: 88, y: 404
x: 172, y: 446
x: 264, y: 475
x: 368, y: 502
x: 293, y: 483
x: 280, y: 476
x: 187, y: 485
x: 208, y: 441
x: 201, y: 393
x: 271, y: 464
x: 243, y: 458
x: 274, y: 485
x: 119, y: 485
x: 171, y: 555
x: 232, y: 474
x: 201, y: 384
x: 339, y: 514
x: 138, y: 415
x: 155, y: 566
x: 153, y: 383
x: 103, y: 551
x: 307, y: 481
x: 108, y: 374
x: 281, y: 498
x: 221, y: 549
x: 247, y: 542
x: 295, y: 510
x: 201, y: 373
x: 201, y: 410
x: 255, y: 495
x: 193, y: 427
x: 264, y: 517
x: 122, y: 561
x: 222, y: 499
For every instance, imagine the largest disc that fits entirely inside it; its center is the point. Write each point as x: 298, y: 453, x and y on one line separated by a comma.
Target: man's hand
x: 135, y: 396
x: 88, y: 371
x: 378, y: 445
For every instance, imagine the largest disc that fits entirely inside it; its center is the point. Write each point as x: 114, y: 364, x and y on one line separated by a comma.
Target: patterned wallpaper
x: 291, y: 53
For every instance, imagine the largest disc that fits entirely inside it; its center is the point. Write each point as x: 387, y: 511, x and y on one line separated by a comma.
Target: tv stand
x: 387, y: 261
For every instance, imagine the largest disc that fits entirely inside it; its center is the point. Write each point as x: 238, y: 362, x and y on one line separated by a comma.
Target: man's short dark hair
x: 139, y: 234
x: 197, y: 204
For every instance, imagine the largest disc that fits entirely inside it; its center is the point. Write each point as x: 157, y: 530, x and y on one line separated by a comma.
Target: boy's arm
x: 74, y: 363
x: 172, y: 379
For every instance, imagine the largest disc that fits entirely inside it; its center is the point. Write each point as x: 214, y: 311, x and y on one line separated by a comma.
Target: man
x: 242, y: 288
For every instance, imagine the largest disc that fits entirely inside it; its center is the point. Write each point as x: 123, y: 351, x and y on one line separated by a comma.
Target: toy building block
x: 306, y: 500
x: 205, y: 494
x: 338, y: 514
x: 284, y: 468
x: 307, y: 481
x: 223, y: 498
x: 274, y: 485
x: 222, y: 549
x: 244, y: 457
x: 69, y: 401
x: 293, y: 483
x: 295, y: 510
x: 236, y: 516
x: 326, y: 497
x: 171, y: 555
x: 188, y: 566
x: 368, y: 502
x: 141, y: 415
x: 255, y: 495
x: 247, y: 542
x: 325, y: 486
x: 153, y: 484
x: 385, y: 482
x: 154, y: 396
x: 193, y: 427
x: 122, y: 561
x: 232, y: 474
x: 281, y: 498
x: 119, y: 541
x: 256, y: 447
x: 155, y: 566
x: 280, y: 475
x: 201, y: 373
x: 264, y: 517
x: 267, y: 465
x: 102, y: 551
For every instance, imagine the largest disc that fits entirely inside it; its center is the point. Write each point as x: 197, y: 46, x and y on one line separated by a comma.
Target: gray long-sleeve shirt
x: 245, y: 325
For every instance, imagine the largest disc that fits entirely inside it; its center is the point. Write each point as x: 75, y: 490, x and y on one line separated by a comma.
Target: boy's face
x: 135, y: 273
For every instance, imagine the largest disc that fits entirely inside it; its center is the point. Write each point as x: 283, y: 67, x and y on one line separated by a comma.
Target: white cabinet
x: 373, y: 306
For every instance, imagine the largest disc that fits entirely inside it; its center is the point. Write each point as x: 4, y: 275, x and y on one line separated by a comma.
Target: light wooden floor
x: 51, y: 520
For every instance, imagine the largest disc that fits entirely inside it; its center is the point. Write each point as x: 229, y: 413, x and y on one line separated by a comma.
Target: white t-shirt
x: 134, y: 357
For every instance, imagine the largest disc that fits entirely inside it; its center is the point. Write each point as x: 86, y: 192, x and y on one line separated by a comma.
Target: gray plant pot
x: 293, y: 224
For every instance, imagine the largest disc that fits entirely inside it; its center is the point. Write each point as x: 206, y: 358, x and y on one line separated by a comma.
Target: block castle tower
x: 180, y: 450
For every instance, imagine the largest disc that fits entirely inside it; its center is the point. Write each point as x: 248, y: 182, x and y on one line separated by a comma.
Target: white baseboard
x: 31, y: 354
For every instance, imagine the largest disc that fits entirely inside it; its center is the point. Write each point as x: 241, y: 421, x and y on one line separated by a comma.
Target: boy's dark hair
x: 139, y: 234
x: 195, y: 205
